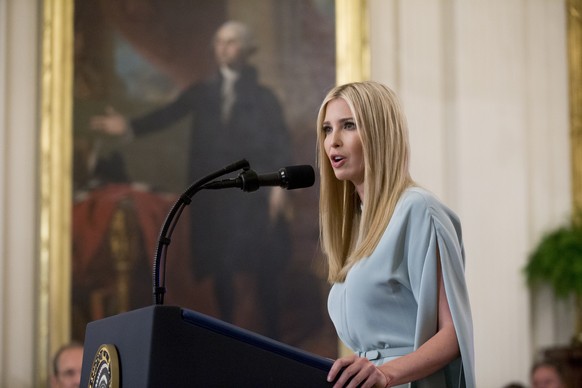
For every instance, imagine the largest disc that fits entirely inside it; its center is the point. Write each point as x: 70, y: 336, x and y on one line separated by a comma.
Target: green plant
x: 557, y: 260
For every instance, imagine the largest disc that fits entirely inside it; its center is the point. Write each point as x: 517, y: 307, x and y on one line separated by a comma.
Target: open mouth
x: 337, y: 161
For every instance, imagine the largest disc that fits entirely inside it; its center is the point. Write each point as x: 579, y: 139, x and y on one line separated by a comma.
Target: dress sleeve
x: 432, y: 226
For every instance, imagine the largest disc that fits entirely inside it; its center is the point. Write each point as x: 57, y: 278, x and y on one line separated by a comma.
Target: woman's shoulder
x: 420, y: 200
x: 416, y: 196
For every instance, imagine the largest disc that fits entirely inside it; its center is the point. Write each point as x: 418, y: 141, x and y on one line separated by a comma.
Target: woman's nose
x: 335, y: 138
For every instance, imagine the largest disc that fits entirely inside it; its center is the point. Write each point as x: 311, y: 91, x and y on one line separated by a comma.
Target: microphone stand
x: 159, y: 288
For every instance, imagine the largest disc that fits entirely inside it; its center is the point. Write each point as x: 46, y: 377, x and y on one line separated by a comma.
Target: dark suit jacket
x: 230, y: 228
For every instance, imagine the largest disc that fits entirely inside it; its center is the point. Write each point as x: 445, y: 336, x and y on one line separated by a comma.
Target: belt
x: 387, y: 352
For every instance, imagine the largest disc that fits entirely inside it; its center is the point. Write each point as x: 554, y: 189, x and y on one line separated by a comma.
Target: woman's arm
x: 434, y: 354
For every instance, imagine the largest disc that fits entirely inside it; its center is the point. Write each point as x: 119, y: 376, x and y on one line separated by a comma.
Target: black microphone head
x: 298, y: 177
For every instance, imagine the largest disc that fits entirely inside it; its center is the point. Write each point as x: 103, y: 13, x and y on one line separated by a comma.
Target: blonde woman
x: 396, y: 260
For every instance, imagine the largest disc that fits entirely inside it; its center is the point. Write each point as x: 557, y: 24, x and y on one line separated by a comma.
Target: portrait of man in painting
x: 167, y: 92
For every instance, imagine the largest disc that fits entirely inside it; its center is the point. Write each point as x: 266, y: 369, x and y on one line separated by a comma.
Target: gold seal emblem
x: 105, y: 368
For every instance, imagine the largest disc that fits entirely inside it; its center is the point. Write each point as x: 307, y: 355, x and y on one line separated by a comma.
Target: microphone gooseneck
x: 290, y: 178
x: 159, y: 265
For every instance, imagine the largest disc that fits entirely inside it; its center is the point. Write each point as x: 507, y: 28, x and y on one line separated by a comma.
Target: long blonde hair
x: 349, y: 233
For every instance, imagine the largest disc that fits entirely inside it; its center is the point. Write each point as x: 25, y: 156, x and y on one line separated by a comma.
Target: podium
x: 168, y: 346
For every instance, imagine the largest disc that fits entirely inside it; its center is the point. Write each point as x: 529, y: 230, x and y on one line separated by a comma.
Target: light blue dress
x: 387, y: 306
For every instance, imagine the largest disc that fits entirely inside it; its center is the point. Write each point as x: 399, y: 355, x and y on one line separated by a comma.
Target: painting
x: 155, y: 66
x: 158, y: 67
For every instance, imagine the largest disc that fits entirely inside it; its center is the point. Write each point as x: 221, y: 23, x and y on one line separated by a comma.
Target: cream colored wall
x: 18, y: 189
x: 484, y: 84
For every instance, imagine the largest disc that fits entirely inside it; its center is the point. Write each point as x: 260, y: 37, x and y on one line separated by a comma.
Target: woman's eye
x: 326, y: 129
x: 350, y: 125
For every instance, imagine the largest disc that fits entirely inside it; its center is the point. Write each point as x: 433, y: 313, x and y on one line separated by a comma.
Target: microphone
x: 290, y: 178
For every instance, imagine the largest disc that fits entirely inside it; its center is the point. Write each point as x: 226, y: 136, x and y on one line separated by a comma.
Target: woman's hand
x: 353, y: 371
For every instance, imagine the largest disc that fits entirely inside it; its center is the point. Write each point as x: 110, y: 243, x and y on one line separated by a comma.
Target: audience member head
x: 546, y: 374
x: 514, y: 385
x: 67, y: 364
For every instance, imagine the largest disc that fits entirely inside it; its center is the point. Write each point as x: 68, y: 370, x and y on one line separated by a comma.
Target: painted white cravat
x: 228, y: 94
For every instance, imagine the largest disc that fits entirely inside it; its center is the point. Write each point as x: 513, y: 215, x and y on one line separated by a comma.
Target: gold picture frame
x: 574, y: 21
x: 53, y: 325
x: 54, y: 266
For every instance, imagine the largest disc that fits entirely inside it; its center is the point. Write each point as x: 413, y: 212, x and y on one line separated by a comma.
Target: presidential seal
x: 105, y: 368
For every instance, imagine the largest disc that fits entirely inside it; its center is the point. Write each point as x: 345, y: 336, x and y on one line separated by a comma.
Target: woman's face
x: 343, y: 144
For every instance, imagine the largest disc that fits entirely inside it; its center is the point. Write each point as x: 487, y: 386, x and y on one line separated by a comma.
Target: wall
x: 18, y: 187
x: 484, y: 84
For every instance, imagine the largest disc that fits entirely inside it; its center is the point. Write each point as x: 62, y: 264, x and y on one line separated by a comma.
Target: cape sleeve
x: 433, y: 226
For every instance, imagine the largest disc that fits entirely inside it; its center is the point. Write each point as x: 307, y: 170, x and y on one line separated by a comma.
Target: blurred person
x: 547, y: 374
x: 514, y: 385
x: 67, y: 365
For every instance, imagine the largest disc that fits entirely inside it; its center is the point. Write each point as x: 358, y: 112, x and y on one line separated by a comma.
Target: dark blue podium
x: 167, y: 346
